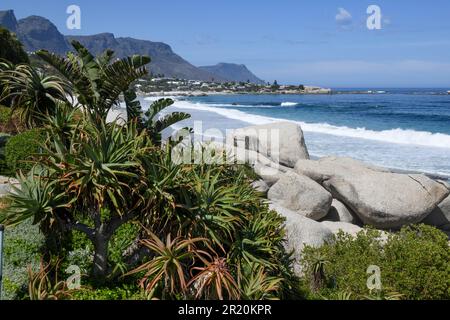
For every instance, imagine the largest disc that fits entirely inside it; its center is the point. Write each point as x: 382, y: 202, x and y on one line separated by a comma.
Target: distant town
x: 163, y: 86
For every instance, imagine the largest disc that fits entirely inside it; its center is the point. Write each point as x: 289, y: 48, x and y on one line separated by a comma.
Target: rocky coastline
x: 322, y: 197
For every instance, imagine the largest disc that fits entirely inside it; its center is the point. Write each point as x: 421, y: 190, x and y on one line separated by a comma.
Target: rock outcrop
x: 6, y: 185
x: 301, y: 232
x: 269, y: 171
x: 301, y: 195
x: 281, y: 142
x: 260, y: 186
x: 8, y: 20
x: 380, y: 198
x: 336, y: 227
x: 340, y: 213
x: 440, y: 217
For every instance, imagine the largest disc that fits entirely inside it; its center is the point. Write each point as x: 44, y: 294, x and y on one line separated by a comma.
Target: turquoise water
x: 396, y: 128
x: 418, y: 112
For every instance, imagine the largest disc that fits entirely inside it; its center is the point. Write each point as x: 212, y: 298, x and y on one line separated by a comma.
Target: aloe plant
x: 93, y: 177
x: 41, y: 286
x: 170, y: 263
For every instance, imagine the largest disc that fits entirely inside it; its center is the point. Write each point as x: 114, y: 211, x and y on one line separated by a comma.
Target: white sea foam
x: 228, y: 105
x: 289, y: 104
x: 401, y: 136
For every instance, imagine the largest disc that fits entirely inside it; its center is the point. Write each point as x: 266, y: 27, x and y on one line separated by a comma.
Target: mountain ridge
x: 37, y: 33
x: 238, y: 72
x: 164, y: 60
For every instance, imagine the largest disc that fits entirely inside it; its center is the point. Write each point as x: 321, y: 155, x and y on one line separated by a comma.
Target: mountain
x: 164, y: 60
x: 35, y: 32
x: 39, y: 33
x: 8, y: 20
x: 234, y: 72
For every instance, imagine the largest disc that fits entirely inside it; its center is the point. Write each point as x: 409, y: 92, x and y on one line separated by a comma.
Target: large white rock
x: 269, y: 171
x: 301, y: 232
x: 302, y: 195
x: 260, y: 186
x: 269, y: 174
x: 6, y: 185
x: 340, y: 213
x: 440, y: 217
x: 336, y: 227
x: 380, y: 198
x: 281, y: 142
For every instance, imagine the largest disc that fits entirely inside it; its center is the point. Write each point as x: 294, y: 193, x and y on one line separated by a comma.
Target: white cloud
x: 343, y: 18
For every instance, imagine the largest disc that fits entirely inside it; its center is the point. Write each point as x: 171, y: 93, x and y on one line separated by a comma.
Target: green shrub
x: 11, y: 48
x: 414, y: 263
x: 124, y: 292
x: 21, y: 148
x: 9, y: 122
x: 4, y: 170
x: 5, y: 115
x: 22, y: 247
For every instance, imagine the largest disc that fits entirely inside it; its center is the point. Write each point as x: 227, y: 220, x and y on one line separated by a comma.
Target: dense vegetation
x: 414, y: 264
x: 21, y: 148
x: 107, y: 198
x: 112, y: 192
x: 11, y: 49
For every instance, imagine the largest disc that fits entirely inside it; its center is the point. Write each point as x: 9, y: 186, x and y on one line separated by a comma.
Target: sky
x: 325, y: 43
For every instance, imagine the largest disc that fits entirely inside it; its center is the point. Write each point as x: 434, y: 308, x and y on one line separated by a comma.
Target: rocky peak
x: 233, y: 72
x: 8, y: 20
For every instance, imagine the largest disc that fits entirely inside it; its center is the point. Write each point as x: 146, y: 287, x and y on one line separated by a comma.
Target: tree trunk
x: 100, y: 236
x: 100, y: 268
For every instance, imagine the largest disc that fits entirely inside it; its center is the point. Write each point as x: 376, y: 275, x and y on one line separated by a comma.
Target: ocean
x: 405, y: 129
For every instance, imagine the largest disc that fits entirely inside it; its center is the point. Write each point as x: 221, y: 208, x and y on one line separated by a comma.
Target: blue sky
x: 324, y: 42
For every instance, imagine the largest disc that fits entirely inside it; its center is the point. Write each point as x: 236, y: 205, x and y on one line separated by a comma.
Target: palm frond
x: 134, y: 109
x: 169, y: 120
x: 157, y: 107
x: 70, y: 70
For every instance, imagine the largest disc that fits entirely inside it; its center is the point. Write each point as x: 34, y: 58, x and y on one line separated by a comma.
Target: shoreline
x: 310, y: 93
x: 201, y: 114
x: 434, y: 176
x: 215, y: 93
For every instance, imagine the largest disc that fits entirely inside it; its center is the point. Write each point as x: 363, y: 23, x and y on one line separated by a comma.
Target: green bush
x: 4, y: 170
x: 5, y: 115
x: 124, y: 292
x: 22, y: 247
x: 5, y: 121
x: 11, y: 48
x: 9, y: 122
x: 414, y: 265
x: 21, y: 147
